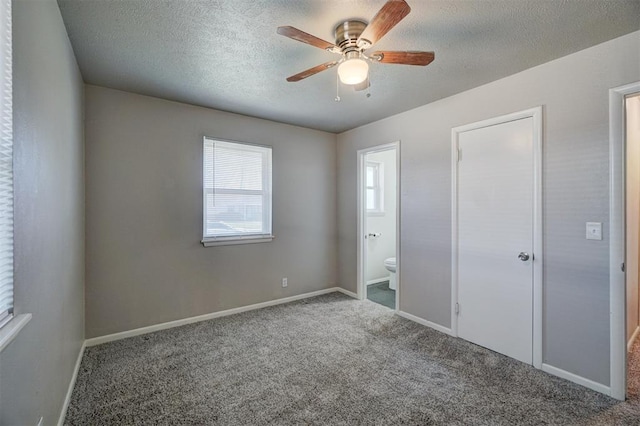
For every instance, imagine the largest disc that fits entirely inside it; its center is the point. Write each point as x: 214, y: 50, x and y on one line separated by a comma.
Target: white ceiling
x: 225, y: 54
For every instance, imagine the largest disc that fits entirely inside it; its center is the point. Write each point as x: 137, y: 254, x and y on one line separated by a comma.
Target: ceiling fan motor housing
x: 347, y: 34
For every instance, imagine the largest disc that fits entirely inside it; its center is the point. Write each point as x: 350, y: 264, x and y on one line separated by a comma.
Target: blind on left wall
x: 6, y: 165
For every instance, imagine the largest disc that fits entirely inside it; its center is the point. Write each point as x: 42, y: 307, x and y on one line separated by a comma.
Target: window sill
x: 12, y: 328
x: 232, y: 241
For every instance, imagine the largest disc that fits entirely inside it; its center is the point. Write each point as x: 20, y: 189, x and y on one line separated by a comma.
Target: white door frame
x: 617, y: 283
x: 361, y: 155
x: 536, y: 114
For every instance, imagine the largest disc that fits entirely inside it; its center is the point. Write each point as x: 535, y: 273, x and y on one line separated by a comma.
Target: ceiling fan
x: 353, y: 37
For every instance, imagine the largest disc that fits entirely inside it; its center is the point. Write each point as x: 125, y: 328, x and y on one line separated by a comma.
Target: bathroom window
x: 236, y: 193
x: 375, y: 188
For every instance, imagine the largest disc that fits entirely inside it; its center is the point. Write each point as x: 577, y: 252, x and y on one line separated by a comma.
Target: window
x: 375, y: 192
x: 6, y: 166
x: 236, y: 194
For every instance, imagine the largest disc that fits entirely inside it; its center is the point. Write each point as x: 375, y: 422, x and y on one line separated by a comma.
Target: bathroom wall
x: 383, y: 247
x: 573, y: 91
x: 633, y: 211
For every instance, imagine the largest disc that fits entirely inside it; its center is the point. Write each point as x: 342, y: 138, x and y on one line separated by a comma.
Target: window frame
x: 10, y: 322
x: 377, y: 187
x: 267, y: 197
x: 6, y: 141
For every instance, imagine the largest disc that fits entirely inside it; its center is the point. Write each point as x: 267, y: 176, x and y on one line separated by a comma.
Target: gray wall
x: 574, y: 93
x: 145, y: 263
x: 36, y: 368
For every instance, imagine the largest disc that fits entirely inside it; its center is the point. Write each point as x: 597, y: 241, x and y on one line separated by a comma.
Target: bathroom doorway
x: 632, y: 258
x: 624, y: 255
x: 378, y: 227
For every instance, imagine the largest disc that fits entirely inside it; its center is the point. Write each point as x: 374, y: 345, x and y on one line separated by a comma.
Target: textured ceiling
x: 225, y: 54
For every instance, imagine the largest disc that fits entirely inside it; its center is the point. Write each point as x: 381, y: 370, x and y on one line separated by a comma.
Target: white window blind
x: 237, y: 191
x: 6, y: 166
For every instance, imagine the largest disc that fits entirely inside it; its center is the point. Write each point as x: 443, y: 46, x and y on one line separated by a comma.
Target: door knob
x: 523, y: 256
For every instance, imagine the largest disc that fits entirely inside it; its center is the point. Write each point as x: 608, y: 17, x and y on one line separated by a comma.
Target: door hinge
x: 622, y: 267
x: 459, y: 154
x: 457, y: 308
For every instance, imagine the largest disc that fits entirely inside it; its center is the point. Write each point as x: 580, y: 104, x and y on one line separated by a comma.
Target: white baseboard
x: 377, y: 280
x: 429, y: 324
x: 72, y: 384
x: 177, y: 323
x: 598, y: 387
x: 633, y: 338
x: 347, y: 292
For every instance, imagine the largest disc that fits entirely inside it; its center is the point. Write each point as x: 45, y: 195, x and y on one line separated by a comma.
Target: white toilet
x: 390, y: 264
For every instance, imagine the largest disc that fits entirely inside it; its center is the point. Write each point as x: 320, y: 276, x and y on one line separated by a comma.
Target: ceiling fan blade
x: 405, y: 58
x: 299, y: 35
x: 388, y: 17
x: 311, y: 71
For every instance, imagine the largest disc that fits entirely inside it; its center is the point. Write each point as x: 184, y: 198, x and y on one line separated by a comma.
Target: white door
x: 495, y: 237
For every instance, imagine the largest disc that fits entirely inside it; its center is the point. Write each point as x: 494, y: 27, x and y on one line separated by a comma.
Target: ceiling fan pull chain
x: 337, y: 99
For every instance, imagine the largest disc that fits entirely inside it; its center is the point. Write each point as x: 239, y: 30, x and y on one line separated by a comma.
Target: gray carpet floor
x: 382, y: 294
x: 329, y: 360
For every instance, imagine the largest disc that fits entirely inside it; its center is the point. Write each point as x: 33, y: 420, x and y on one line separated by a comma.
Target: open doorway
x: 624, y: 258
x: 632, y: 236
x: 378, y: 256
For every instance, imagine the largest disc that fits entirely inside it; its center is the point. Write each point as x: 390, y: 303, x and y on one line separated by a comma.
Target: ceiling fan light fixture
x: 353, y: 71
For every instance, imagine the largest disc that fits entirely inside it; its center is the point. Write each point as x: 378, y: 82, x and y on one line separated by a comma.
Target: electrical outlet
x: 284, y: 282
x: 594, y: 230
